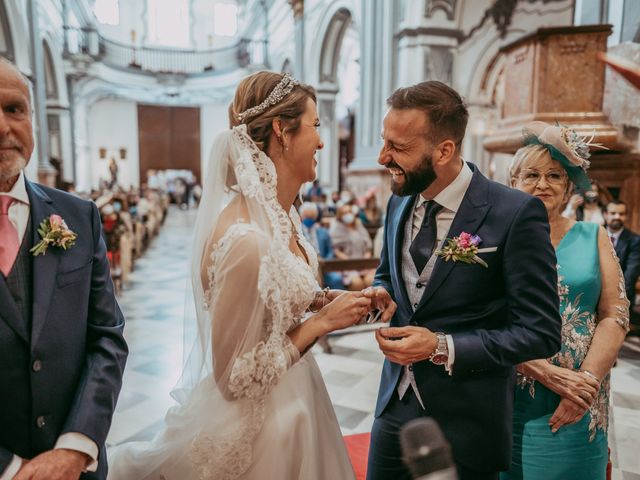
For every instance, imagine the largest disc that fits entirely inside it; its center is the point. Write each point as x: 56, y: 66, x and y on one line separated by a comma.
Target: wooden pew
x: 340, y: 265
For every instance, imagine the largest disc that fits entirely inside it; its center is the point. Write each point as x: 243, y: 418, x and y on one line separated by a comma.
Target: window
x: 631, y: 22
x: 168, y: 22
x: 624, y: 15
x: 107, y: 11
x: 589, y: 12
x: 225, y: 19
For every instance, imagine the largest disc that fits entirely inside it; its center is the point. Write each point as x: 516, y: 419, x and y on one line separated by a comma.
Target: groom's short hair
x: 445, y: 109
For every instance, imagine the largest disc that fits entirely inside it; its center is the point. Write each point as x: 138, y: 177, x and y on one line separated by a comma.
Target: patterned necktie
x: 425, y: 241
x: 613, y: 240
x: 9, y: 243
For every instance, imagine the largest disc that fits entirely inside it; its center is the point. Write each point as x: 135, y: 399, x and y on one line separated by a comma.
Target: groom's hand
x: 59, y: 464
x: 381, y: 300
x: 406, y: 345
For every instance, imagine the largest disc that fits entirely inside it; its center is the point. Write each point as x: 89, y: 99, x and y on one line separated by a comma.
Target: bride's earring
x: 284, y: 146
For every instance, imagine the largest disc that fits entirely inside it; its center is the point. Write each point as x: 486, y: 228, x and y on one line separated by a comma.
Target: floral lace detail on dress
x: 577, y: 331
x: 578, y: 328
x: 622, y: 318
x: 286, y: 286
x: 224, y: 458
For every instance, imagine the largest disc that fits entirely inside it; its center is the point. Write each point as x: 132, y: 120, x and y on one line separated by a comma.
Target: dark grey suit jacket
x: 76, y: 338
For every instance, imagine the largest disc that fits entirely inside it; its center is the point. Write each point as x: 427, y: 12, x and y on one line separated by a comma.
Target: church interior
x: 129, y: 95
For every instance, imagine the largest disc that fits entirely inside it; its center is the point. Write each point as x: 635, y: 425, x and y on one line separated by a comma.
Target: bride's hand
x: 346, y: 309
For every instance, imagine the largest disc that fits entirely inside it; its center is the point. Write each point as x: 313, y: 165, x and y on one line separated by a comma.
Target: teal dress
x: 577, y: 451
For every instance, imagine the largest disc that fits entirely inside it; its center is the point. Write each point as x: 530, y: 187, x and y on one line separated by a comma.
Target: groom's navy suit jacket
x: 61, y: 370
x: 498, y: 316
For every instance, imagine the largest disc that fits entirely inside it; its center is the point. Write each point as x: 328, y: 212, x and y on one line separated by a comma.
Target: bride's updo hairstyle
x: 253, y: 90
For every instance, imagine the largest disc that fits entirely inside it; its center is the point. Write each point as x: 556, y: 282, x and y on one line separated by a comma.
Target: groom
x: 459, y: 328
x: 62, y: 352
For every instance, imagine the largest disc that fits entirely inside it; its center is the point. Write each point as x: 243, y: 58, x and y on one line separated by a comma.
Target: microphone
x: 426, y: 452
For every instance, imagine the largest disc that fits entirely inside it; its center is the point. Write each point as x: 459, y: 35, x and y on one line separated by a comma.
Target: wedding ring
x: 373, y: 316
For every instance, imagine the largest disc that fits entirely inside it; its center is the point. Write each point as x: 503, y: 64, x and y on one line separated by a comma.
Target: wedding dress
x: 248, y: 405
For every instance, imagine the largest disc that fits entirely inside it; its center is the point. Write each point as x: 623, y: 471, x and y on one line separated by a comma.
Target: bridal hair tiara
x: 281, y: 90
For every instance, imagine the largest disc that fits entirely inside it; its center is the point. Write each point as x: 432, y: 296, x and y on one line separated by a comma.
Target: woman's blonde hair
x: 253, y: 90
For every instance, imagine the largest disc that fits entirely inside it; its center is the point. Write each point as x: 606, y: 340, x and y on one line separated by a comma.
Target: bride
x: 251, y: 404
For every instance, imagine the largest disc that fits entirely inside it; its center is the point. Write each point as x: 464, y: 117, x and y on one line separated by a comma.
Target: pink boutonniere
x: 463, y: 248
x: 53, y: 231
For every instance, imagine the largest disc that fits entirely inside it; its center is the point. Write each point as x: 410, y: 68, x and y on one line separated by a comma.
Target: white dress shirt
x: 450, y: 198
x: 19, y: 212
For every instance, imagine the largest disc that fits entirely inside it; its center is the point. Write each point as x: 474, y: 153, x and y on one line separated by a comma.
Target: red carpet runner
x: 358, y: 448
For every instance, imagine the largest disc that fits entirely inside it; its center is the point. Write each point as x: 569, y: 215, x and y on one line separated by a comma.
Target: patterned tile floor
x: 154, y: 304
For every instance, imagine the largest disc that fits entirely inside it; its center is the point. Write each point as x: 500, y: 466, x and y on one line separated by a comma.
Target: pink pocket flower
x: 463, y: 248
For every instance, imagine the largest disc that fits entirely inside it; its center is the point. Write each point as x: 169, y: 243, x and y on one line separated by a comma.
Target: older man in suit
x: 62, y: 351
x: 464, y: 321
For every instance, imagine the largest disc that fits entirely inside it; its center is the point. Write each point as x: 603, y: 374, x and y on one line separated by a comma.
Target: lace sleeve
x: 613, y: 298
x: 249, y: 353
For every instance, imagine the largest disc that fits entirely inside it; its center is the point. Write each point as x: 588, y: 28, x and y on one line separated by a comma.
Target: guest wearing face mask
x: 319, y: 238
x: 587, y: 207
x: 351, y: 240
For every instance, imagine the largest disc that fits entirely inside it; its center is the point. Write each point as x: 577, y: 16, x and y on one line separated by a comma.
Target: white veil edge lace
x: 236, y: 348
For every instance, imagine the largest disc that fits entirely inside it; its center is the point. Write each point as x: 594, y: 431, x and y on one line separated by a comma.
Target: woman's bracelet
x: 589, y: 374
x: 319, y: 298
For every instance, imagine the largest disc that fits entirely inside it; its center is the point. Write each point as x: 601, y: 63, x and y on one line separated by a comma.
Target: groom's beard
x: 416, y: 181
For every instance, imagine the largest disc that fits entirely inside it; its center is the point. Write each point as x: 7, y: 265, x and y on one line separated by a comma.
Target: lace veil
x: 236, y: 346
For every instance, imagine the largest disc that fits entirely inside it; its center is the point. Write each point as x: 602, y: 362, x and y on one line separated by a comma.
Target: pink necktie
x: 9, y: 243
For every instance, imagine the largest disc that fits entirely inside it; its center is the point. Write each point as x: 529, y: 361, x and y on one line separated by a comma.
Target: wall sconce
x: 113, y: 153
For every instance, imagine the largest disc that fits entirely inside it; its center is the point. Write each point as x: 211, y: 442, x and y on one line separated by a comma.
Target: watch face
x: 439, y: 359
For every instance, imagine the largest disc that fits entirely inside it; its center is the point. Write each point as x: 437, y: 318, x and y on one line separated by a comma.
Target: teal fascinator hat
x: 566, y: 147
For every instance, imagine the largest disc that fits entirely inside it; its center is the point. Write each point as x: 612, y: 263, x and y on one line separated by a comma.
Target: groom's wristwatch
x: 441, y: 354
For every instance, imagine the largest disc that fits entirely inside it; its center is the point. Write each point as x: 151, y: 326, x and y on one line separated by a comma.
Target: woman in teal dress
x: 562, y: 403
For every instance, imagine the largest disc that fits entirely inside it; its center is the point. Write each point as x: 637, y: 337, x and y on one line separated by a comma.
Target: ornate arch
x: 51, y: 83
x: 331, y: 29
x: 447, y: 6
x: 55, y: 78
x: 331, y: 44
x: 15, y: 28
x: 6, y: 42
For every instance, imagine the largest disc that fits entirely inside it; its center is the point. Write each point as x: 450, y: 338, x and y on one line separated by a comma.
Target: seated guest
x: 626, y: 243
x: 315, y: 191
x: 319, y: 238
x: 370, y: 213
x: 351, y: 240
x: 562, y: 403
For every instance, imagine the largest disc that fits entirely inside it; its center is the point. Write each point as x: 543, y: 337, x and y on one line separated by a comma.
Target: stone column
x: 46, y: 173
x: 81, y: 141
x: 328, y: 157
x: 427, y: 41
x: 378, y: 67
x: 298, y: 15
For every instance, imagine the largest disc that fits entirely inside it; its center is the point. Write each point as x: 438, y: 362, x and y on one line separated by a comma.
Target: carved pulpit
x: 554, y: 75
